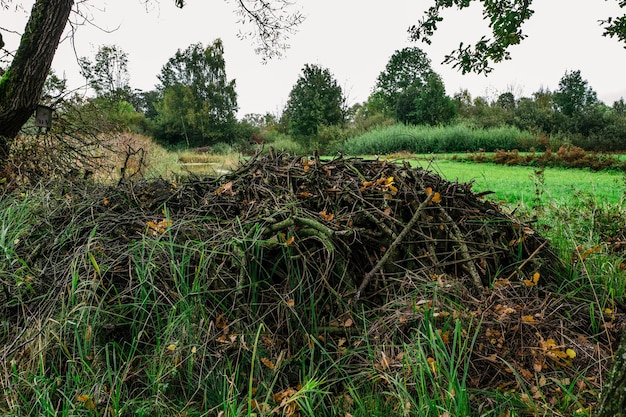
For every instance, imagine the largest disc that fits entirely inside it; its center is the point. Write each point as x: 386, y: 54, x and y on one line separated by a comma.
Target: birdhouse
x: 43, y: 116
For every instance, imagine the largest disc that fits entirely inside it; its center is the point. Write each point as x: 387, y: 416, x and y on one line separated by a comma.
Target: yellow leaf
x: 159, y: 227
x: 501, y: 282
x: 433, y: 364
x: 290, y: 303
x: 268, y: 363
x: 171, y: 347
x: 325, y: 216
x: 105, y: 201
x: 194, y: 350
x: 225, y: 188
x: 537, y: 367
x: 526, y: 373
x: 87, y: 402
x: 571, y: 353
x: 436, y: 198
x: 536, y: 277
x: 529, y: 319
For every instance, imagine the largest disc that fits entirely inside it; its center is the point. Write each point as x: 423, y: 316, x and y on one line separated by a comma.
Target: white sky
x: 354, y: 39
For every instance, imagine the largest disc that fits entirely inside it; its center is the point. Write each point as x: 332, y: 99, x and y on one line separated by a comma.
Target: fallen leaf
x: 526, y: 373
x: 268, y: 363
x: 289, y: 241
x: 385, y: 362
x: 326, y: 216
x: 225, y: 189
x: 220, y: 322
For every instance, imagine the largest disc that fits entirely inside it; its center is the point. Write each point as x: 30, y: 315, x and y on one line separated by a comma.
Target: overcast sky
x: 354, y: 39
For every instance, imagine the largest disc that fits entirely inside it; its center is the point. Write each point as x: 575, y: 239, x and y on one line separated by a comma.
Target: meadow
x: 515, y: 185
x: 117, y: 304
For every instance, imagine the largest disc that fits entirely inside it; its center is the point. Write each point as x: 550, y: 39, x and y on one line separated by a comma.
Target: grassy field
x: 523, y: 185
x: 80, y: 339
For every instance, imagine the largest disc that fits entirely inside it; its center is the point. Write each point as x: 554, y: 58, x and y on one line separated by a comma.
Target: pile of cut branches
x: 311, y: 251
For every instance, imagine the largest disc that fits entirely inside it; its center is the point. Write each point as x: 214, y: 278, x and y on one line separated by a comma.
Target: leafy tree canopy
x: 199, y: 102
x: 429, y: 103
x: 316, y: 100
x: 407, y: 67
x: 505, y: 19
x: 108, y: 73
x: 574, y: 94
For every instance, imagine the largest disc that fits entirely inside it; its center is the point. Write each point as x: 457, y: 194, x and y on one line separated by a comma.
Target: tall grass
x: 426, y: 139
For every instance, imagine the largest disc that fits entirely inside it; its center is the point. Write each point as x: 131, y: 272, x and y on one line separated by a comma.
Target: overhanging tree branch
x: 505, y: 19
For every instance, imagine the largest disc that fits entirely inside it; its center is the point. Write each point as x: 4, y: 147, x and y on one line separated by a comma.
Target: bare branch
x: 271, y: 22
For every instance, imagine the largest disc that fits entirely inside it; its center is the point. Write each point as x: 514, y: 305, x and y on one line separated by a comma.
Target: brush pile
x: 345, y: 253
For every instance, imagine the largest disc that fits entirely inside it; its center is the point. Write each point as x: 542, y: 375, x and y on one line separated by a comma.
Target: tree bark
x: 613, y: 395
x: 22, y: 83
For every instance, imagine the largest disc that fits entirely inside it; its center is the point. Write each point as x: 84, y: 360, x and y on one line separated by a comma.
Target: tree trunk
x: 22, y: 83
x: 613, y: 395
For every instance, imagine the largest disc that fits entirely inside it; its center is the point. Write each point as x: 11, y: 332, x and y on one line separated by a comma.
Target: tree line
x: 195, y: 104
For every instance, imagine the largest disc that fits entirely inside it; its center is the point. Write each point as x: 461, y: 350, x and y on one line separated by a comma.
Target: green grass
x: 515, y: 185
